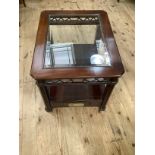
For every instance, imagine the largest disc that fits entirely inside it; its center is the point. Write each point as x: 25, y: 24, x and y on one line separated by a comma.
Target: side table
x: 76, y: 61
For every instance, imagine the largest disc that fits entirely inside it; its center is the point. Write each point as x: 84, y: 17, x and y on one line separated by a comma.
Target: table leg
x: 45, y: 97
x: 105, y: 96
x: 24, y: 3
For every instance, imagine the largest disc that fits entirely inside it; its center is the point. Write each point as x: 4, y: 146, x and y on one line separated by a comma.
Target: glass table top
x: 75, y: 41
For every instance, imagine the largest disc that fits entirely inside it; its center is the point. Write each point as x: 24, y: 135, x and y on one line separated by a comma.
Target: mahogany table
x: 76, y: 60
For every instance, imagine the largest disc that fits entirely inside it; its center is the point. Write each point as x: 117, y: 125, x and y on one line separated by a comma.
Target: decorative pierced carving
x: 73, y: 20
x: 82, y: 80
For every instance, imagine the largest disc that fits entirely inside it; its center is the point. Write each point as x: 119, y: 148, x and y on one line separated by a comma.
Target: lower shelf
x: 86, y: 103
x: 76, y: 95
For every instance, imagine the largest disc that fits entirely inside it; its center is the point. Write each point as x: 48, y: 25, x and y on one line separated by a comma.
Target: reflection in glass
x: 75, y: 41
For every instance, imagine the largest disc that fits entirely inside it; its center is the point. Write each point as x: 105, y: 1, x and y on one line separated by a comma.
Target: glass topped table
x: 76, y: 61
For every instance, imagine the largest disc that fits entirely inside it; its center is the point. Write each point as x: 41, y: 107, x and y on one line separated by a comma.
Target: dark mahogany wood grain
x: 37, y: 71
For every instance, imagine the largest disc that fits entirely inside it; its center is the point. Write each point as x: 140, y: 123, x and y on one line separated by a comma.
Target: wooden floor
x: 78, y: 131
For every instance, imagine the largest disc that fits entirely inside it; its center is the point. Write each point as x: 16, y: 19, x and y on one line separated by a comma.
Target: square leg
x: 106, y: 94
x: 45, y: 96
